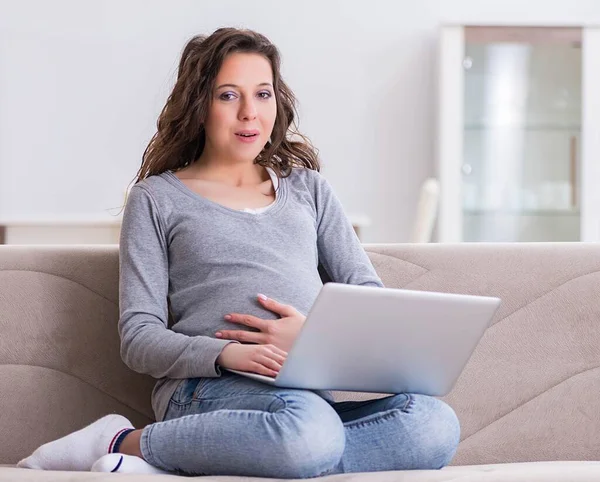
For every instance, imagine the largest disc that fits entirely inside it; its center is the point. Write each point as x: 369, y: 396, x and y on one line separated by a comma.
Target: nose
x: 247, y: 110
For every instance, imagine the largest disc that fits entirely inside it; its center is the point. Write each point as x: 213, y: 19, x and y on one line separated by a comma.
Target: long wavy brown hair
x: 180, y: 136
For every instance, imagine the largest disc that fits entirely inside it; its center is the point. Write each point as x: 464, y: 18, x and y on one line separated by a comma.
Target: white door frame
x: 590, y: 135
x: 451, y: 81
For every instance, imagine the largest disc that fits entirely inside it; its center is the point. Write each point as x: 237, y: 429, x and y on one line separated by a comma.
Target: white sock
x: 125, y: 464
x: 78, y: 450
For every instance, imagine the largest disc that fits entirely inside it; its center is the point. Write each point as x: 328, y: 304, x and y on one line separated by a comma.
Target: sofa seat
x: 518, y: 472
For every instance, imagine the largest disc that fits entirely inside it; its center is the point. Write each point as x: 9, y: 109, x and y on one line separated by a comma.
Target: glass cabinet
x: 518, y: 150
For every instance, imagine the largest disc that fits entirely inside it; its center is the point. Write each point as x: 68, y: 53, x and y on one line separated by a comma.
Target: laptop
x: 384, y: 340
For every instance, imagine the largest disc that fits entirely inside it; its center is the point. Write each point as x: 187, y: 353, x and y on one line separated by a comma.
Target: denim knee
x: 440, y: 432
x: 314, y: 446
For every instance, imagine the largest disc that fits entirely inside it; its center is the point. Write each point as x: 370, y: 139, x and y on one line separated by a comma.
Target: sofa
x: 528, y: 400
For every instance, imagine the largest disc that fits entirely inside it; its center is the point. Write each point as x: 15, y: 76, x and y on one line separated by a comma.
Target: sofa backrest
x: 530, y: 391
x: 60, y: 366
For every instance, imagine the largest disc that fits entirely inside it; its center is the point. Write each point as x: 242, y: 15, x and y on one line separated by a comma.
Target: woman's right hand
x: 262, y: 359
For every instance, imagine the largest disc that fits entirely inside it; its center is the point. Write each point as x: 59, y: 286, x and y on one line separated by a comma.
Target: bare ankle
x: 131, y: 444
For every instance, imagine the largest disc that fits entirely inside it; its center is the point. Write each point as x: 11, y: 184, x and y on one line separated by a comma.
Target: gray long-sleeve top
x: 209, y: 260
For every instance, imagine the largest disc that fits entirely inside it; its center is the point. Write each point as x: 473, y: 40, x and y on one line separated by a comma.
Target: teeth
x: 246, y: 135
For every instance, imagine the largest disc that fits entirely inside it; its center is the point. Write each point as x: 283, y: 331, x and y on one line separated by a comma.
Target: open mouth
x: 247, y: 135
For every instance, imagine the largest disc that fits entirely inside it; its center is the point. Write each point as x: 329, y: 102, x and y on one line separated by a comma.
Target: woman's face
x: 243, y: 108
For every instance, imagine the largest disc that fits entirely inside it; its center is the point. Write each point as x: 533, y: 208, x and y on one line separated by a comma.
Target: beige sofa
x: 529, y: 397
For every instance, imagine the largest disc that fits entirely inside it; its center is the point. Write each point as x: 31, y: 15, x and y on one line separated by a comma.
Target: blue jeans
x: 236, y: 426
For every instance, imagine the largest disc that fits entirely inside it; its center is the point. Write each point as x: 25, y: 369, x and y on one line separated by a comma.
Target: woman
x: 228, y: 205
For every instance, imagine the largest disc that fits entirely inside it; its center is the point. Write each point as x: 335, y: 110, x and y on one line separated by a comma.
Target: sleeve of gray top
x: 147, y: 345
x: 340, y: 251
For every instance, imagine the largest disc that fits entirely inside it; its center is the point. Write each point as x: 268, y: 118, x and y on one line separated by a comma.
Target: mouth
x: 247, y: 134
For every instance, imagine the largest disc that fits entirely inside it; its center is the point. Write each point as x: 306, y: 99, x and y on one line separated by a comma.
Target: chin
x: 247, y: 156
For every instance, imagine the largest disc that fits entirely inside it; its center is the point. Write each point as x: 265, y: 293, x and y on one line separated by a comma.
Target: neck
x: 227, y: 171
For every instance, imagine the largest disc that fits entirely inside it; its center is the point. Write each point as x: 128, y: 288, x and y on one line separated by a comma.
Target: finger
x: 278, y: 358
x: 247, y: 320
x: 267, y: 350
x: 277, y: 350
x: 270, y: 363
x: 257, y: 367
x: 276, y: 307
x: 241, y: 335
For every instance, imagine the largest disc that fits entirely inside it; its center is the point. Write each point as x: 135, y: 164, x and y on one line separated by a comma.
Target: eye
x: 265, y: 94
x: 227, y: 96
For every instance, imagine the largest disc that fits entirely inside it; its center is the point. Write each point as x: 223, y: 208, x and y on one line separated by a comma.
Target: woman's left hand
x: 280, y: 333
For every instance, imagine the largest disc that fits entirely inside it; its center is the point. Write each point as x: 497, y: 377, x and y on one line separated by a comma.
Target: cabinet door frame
x: 450, y: 123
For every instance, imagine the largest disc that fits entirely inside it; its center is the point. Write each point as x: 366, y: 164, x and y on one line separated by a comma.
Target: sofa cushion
x: 525, y: 472
x: 528, y: 393
x: 531, y: 390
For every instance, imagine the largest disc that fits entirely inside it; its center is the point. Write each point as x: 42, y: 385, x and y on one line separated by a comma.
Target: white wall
x: 82, y: 82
